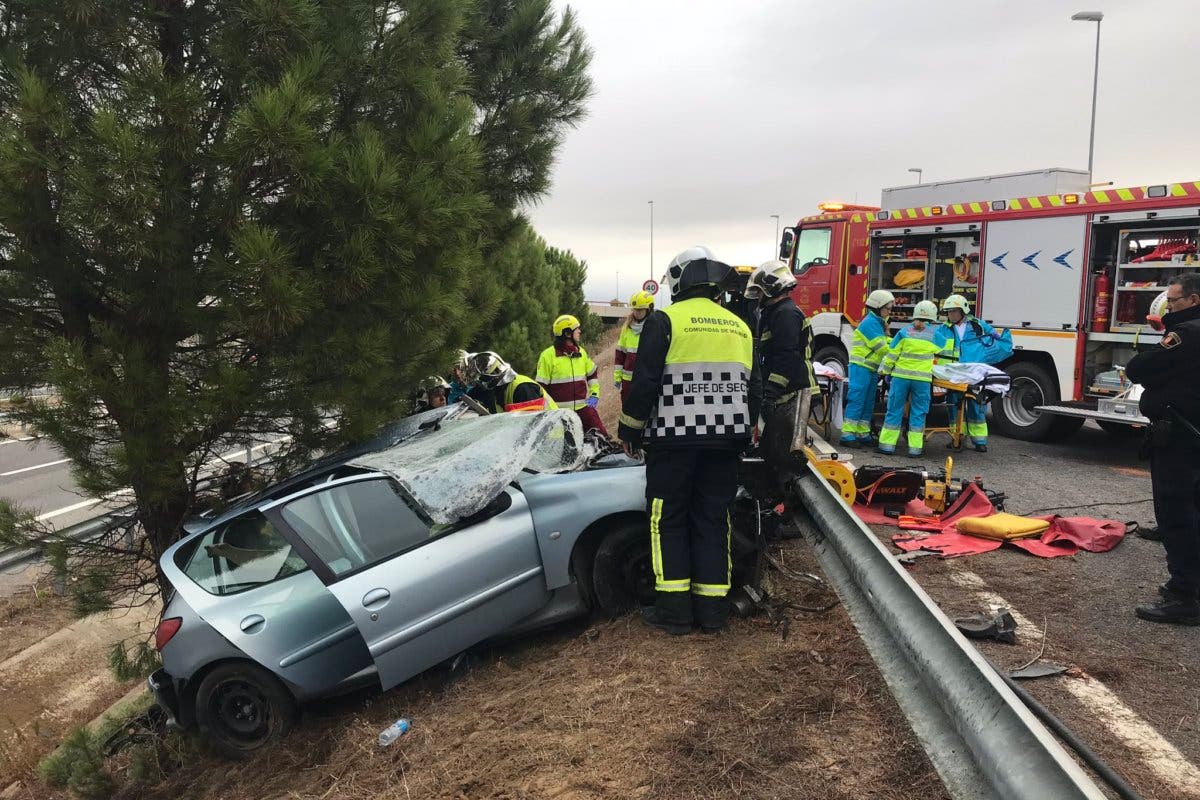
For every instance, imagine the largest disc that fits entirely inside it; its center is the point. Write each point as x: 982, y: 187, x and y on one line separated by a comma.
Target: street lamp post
x: 618, y: 284
x: 1092, y: 16
x: 651, y: 240
x: 775, y: 250
x: 919, y: 172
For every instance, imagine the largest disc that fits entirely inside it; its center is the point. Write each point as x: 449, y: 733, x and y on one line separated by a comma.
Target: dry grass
x: 613, y: 710
x: 603, y: 353
x: 30, y: 614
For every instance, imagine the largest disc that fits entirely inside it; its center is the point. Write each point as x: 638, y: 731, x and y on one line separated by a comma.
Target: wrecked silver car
x: 389, y: 559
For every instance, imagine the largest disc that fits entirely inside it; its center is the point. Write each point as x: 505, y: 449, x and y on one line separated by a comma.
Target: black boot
x: 671, y: 612
x: 712, y: 613
x: 1150, y: 534
x: 1172, y: 609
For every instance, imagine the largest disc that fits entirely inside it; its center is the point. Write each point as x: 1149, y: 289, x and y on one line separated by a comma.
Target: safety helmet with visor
x: 956, y: 301
x: 695, y: 268
x: 641, y: 301
x: 489, y: 370
x: 769, y: 280
x: 565, y: 324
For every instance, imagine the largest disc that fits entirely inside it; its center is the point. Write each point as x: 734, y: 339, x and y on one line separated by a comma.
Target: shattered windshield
x: 457, y: 470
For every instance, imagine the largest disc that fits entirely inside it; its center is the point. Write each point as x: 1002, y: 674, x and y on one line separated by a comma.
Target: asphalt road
x: 1084, y: 604
x: 35, y: 475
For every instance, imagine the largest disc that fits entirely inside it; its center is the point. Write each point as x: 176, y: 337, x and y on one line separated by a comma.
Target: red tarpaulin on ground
x: 1066, y: 536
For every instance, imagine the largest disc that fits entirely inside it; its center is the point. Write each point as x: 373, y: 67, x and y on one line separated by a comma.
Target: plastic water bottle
x: 393, y: 732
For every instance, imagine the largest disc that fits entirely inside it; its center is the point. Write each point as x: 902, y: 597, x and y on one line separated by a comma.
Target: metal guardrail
x: 95, y: 526
x: 983, y: 741
x: 80, y: 531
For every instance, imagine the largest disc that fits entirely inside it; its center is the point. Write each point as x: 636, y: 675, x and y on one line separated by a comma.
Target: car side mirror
x: 786, y: 242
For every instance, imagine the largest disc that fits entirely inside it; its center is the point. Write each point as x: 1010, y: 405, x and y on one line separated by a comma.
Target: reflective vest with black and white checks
x: 706, y: 376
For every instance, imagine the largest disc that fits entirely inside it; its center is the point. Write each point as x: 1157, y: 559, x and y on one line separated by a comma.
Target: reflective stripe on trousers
x: 975, y: 415
x: 860, y: 403
x: 688, y: 493
x: 917, y: 394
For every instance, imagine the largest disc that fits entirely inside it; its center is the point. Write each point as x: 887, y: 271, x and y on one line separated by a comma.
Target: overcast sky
x: 724, y: 113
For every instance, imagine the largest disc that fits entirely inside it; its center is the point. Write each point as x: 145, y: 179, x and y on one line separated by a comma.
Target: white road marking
x: 121, y: 493
x: 31, y: 469
x: 1159, y: 755
x: 58, y: 512
x: 14, y: 440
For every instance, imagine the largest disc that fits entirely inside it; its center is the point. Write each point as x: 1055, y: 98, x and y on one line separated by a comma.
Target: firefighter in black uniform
x: 688, y: 404
x: 782, y: 360
x: 1170, y: 379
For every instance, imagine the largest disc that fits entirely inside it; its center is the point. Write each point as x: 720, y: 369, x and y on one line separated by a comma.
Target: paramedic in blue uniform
x: 971, y: 336
x: 1170, y: 379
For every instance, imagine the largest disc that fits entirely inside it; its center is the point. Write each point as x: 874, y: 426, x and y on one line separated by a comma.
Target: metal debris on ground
x: 999, y: 627
x: 150, y: 724
x: 1044, y: 669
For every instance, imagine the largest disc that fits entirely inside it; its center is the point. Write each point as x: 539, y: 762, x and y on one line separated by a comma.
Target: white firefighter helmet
x: 770, y: 279
x: 695, y: 267
x: 926, y: 310
x: 489, y: 370
x: 879, y: 298
x: 956, y: 301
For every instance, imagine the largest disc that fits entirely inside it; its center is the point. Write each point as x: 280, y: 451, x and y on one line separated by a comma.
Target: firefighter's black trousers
x: 1175, y: 478
x: 688, y: 493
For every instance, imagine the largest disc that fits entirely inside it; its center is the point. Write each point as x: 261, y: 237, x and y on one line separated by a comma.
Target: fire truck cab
x: 1071, y: 271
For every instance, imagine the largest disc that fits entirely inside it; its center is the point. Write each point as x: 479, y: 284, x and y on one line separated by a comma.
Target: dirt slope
x: 611, y: 710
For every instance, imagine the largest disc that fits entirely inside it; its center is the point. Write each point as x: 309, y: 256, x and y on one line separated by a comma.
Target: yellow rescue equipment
x: 1003, y: 526
x: 909, y: 278
x: 836, y: 473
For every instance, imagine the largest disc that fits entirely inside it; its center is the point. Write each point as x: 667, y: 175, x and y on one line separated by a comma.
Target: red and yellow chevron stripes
x: 1175, y: 192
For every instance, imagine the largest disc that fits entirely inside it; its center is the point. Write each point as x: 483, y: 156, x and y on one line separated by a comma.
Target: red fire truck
x: 1071, y: 270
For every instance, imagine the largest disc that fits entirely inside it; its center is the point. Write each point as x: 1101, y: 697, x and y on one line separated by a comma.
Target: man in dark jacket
x: 688, y: 405
x: 1170, y: 379
x: 782, y: 357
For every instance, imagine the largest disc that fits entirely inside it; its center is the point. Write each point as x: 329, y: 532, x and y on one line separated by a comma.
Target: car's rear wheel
x: 241, y: 707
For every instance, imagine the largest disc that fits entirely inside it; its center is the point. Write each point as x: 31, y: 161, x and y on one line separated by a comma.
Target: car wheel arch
x: 191, y: 686
x: 584, y: 552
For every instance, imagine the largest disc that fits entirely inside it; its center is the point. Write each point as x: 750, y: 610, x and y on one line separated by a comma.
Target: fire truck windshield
x: 812, y: 249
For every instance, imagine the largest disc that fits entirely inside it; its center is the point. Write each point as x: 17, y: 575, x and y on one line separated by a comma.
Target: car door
x: 817, y: 277
x: 418, y: 592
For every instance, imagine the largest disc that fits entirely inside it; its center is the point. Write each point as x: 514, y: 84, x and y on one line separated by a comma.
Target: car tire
x: 622, y: 577
x: 1013, y: 414
x: 241, y: 707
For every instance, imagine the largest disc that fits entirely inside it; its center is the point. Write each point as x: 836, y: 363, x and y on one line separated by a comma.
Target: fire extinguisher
x: 1103, y: 305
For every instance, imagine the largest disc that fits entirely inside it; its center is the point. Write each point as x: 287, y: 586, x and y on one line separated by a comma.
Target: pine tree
x: 571, y: 273
x: 225, y: 219
x: 527, y: 70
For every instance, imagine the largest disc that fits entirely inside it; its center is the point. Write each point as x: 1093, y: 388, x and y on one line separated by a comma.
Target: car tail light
x: 167, y: 628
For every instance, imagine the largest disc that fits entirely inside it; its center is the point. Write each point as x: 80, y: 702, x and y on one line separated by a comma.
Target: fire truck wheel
x: 831, y: 353
x: 834, y: 357
x: 1014, y: 415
